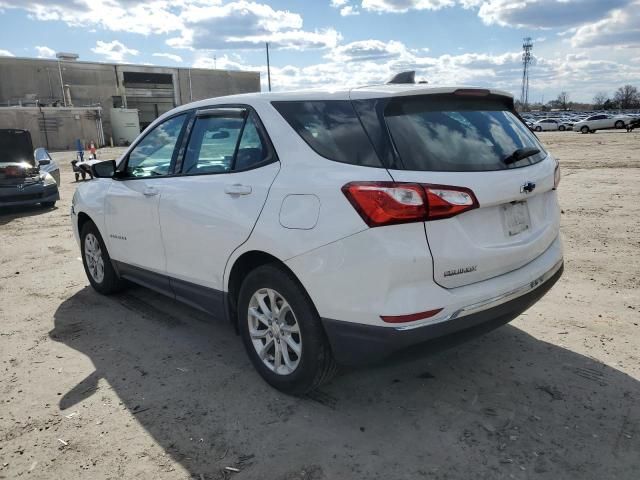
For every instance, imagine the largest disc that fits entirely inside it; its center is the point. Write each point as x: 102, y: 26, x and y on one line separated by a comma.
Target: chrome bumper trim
x: 489, y: 303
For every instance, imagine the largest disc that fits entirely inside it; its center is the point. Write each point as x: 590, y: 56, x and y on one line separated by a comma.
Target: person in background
x: 80, y: 150
x: 92, y: 149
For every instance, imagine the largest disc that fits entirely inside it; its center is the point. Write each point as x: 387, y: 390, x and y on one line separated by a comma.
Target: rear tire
x: 293, y: 325
x: 538, y: 128
x: 562, y: 128
x: 619, y: 124
x: 97, y: 263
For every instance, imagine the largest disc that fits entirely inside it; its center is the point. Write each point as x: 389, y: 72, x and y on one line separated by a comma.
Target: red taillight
x: 411, y: 317
x: 389, y: 203
x: 446, y: 201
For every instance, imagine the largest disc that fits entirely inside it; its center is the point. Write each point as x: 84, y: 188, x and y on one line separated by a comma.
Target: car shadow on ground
x: 9, y: 214
x: 505, y: 405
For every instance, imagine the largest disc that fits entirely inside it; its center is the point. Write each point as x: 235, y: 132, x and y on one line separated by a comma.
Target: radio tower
x: 527, y: 45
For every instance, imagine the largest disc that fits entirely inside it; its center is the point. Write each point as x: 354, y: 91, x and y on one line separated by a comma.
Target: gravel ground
x: 137, y: 386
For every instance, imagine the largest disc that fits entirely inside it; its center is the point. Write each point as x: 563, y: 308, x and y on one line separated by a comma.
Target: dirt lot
x: 139, y: 386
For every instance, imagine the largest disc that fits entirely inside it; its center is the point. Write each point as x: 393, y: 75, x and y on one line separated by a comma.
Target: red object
x: 13, y: 171
x: 391, y: 203
x: 411, y: 317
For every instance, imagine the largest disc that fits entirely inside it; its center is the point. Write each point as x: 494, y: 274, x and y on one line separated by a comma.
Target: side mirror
x: 104, y: 169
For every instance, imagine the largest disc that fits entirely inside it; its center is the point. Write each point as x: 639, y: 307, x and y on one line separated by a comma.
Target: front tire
x: 619, y: 124
x: 538, y: 128
x: 282, y: 333
x: 584, y: 129
x: 562, y: 128
x: 96, y: 261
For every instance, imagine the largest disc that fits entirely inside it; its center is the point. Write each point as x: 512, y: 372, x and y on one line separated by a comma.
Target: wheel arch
x: 242, y: 266
x: 83, y: 218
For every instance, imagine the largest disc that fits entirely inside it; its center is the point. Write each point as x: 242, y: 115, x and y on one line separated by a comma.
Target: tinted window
x: 332, y: 129
x: 457, y: 134
x: 212, y: 144
x: 153, y: 155
x: 252, y: 149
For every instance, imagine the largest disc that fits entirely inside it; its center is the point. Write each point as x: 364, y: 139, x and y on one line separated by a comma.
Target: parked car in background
x: 23, y: 179
x: 601, y: 122
x: 47, y: 164
x: 331, y: 227
x: 551, y: 124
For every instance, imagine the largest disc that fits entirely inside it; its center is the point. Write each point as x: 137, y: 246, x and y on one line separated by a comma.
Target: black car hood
x: 16, y: 147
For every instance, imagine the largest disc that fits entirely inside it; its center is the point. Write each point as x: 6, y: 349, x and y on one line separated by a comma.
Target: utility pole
x: 268, y: 67
x: 527, y: 46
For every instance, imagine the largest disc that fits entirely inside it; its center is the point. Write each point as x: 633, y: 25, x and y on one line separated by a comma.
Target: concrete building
x: 66, y: 82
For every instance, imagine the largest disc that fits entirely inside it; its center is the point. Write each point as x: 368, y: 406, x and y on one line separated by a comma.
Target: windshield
x: 15, y: 147
x: 447, y: 133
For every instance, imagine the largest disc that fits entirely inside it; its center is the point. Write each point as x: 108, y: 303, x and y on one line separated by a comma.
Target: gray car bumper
x: 31, y: 195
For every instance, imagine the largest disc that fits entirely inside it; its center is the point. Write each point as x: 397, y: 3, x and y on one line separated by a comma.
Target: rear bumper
x: 357, y: 344
x: 31, y: 195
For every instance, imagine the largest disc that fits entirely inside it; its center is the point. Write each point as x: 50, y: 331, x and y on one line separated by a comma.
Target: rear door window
x: 447, y: 133
x: 332, y: 129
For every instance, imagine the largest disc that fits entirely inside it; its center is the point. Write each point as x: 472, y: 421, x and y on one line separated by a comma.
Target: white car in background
x: 331, y: 227
x: 551, y: 124
x: 601, y: 122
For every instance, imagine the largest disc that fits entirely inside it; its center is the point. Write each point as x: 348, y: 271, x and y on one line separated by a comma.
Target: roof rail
x: 404, y: 77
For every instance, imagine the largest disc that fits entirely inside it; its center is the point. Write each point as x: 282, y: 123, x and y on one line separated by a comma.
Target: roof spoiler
x: 403, y: 77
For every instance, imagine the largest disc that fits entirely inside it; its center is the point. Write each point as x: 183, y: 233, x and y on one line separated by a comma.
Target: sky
x: 583, y: 47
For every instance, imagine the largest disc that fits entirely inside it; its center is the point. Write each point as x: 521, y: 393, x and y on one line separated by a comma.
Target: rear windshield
x: 460, y: 134
x: 15, y: 147
x: 332, y: 129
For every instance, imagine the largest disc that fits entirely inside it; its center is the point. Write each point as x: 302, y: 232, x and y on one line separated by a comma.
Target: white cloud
x: 45, y: 52
x: 247, y: 25
x: 348, y: 11
x: 338, y: 3
x: 368, y: 50
x: 6, y: 53
x: 170, y: 56
x: 544, y: 13
x: 114, y: 51
x: 402, y: 6
x: 372, y: 61
x: 621, y: 28
x: 134, y: 16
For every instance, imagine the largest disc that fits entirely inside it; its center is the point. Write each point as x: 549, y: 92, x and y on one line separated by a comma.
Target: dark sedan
x: 21, y: 181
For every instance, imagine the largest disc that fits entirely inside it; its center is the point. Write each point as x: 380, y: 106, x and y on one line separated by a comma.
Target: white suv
x: 331, y: 227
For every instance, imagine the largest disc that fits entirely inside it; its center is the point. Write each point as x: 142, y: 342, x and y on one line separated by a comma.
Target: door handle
x: 237, y: 189
x: 150, y: 191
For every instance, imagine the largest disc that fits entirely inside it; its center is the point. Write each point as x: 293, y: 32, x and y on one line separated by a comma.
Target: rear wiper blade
x: 520, y: 154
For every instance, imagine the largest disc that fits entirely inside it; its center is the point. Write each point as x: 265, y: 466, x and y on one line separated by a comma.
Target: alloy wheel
x: 93, y: 257
x: 275, y: 331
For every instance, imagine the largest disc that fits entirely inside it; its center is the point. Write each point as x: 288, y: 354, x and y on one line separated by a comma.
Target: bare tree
x: 563, y: 100
x: 627, y: 97
x: 599, y: 99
